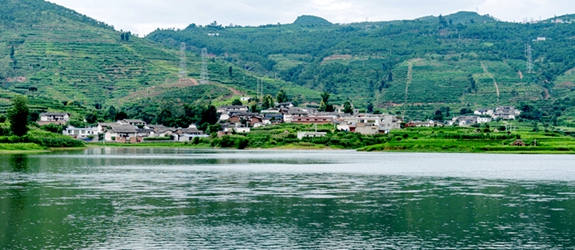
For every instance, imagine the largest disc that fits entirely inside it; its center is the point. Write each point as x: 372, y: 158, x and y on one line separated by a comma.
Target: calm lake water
x: 209, y: 199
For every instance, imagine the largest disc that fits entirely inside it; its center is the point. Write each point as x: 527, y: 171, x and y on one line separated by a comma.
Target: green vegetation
x: 17, y: 135
x: 474, y: 140
x: 18, y: 116
x: 463, y: 60
x: 65, y: 61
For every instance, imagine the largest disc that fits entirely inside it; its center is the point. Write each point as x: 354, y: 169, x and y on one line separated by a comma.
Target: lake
x: 153, y: 198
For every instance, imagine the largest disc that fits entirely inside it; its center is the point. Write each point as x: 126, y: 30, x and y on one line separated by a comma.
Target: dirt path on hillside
x: 485, y: 71
x: 159, y: 89
x: 235, y: 91
x: 409, y: 79
x: 176, y: 84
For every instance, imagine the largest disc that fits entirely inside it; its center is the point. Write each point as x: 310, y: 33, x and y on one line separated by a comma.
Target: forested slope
x: 64, y: 60
x: 462, y: 59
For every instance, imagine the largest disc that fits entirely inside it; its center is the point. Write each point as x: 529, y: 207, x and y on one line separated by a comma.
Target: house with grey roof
x: 54, y: 118
x: 121, y: 133
x: 133, y: 122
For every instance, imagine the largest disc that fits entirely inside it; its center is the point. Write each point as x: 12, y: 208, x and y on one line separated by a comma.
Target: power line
x: 183, y: 67
x: 204, y: 78
x: 529, y: 55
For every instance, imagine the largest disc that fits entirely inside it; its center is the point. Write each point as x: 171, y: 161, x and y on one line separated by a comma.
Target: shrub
x: 196, y: 140
x: 4, y: 131
x: 56, y: 129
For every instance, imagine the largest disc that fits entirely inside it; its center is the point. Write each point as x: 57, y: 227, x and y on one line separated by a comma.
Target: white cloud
x: 144, y: 16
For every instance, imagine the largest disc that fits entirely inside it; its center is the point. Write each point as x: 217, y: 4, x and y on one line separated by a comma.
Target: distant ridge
x: 307, y: 20
x: 462, y: 17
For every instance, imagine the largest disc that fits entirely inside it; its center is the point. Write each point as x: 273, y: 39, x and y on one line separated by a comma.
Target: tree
x: 268, y: 102
x: 370, y: 108
x: 111, y: 114
x: 121, y: 116
x: 210, y: 115
x: 91, y: 118
x: 281, y: 97
x: 325, y: 97
x: 442, y: 21
x: 231, y: 71
x: 254, y: 107
x: 18, y: 116
x: 33, y: 116
x: 12, y: 52
x: 324, y: 104
x: 347, y: 108
x: 165, y: 117
x: 237, y: 102
x: 438, y: 116
x: 465, y: 111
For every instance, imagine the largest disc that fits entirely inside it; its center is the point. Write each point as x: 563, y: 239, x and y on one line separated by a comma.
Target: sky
x: 144, y: 16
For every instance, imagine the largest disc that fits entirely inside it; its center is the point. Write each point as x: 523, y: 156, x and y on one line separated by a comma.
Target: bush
x: 12, y: 139
x: 56, y: 129
x: 239, y: 142
x: 4, y: 131
x: 196, y: 140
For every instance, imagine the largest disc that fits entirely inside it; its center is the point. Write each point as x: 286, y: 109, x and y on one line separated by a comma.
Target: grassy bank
x: 473, y: 140
x: 284, y: 137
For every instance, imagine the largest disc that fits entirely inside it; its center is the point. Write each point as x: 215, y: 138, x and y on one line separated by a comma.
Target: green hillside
x: 63, y: 60
x: 458, y: 60
x: 66, y: 61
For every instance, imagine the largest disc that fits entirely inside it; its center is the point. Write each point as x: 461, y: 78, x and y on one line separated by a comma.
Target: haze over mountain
x: 143, y: 17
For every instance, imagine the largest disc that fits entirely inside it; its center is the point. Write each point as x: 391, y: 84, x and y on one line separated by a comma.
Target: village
x: 239, y: 119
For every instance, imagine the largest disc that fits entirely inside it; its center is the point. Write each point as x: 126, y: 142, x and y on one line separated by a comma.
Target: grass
x: 21, y: 147
x: 438, y: 140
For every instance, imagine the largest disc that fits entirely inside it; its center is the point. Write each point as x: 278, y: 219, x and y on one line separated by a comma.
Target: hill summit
x: 307, y: 20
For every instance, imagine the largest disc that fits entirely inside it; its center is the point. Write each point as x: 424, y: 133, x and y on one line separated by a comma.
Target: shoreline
x: 526, y: 151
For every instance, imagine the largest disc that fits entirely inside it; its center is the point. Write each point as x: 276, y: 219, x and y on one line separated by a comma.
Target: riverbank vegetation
x: 475, y: 140
x: 424, y: 139
x: 17, y: 132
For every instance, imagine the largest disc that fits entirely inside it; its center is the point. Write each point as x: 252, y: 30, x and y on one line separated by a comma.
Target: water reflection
x: 19, y: 163
x: 181, y: 199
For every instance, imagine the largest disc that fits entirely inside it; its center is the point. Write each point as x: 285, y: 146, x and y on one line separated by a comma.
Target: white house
x: 54, y: 118
x: 81, y: 133
x: 236, y: 108
x: 506, y: 113
x: 483, y: 112
x: 121, y: 133
x: 484, y: 119
x: 103, y: 127
x: 301, y: 135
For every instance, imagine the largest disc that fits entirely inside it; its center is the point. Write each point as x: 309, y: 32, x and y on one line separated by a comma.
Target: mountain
x: 64, y: 60
x: 462, y: 17
x: 412, y: 66
x: 311, y: 21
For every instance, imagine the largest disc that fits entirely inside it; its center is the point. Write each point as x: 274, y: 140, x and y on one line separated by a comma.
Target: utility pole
x: 204, y: 78
x: 529, y: 55
x: 183, y: 67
